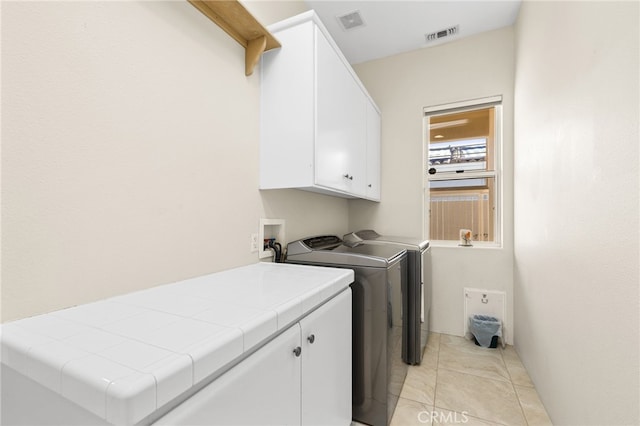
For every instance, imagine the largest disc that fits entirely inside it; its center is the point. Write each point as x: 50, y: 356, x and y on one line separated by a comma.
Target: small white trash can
x: 486, y: 330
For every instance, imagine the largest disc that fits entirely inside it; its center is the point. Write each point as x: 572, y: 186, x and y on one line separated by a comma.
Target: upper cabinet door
x: 341, y: 123
x: 287, y: 110
x: 373, y: 153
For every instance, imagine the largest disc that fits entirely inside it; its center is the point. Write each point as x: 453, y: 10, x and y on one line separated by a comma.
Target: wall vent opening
x: 447, y: 32
x: 351, y: 20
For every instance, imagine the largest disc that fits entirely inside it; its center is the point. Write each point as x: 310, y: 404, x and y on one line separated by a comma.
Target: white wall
x: 130, y: 152
x: 577, y: 208
x: 402, y: 85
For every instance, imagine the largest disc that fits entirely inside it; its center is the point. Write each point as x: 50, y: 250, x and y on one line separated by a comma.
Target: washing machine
x: 419, y: 288
x: 379, y: 319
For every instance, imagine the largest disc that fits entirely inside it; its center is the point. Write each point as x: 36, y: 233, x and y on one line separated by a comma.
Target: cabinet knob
x: 311, y: 338
x: 346, y: 175
x: 297, y: 351
x: 369, y: 185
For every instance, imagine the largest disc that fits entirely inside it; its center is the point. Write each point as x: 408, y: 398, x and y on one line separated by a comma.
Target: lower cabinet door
x: 326, y: 363
x: 264, y: 389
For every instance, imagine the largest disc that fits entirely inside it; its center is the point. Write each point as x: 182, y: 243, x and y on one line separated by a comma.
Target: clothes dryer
x: 419, y: 288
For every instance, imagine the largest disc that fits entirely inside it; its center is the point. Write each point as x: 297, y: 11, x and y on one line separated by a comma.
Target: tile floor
x: 461, y: 383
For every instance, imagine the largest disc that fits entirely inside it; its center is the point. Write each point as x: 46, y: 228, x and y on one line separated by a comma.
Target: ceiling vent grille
x: 447, y: 32
x: 351, y: 20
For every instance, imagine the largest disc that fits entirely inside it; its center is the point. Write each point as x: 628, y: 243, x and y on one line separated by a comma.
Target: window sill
x: 454, y: 244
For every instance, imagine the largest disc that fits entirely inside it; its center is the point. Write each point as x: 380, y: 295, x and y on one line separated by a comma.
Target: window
x: 462, y: 170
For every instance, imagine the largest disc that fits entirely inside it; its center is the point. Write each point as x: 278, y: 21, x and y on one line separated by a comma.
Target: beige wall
x: 577, y: 208
x: 130, y: 152
x: 402, y: 85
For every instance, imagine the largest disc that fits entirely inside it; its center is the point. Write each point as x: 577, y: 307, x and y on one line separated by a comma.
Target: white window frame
x: 430, y: 111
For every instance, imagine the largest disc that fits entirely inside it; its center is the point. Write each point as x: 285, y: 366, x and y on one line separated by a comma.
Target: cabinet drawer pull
x: 297, y: 351
x: 311, y: 338
x: 346, y: 175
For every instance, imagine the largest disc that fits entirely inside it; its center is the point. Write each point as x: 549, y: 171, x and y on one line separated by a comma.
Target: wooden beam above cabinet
x: 236, y: 21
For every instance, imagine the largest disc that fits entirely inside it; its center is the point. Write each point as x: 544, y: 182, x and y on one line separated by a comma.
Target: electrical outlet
x: 254, y: 243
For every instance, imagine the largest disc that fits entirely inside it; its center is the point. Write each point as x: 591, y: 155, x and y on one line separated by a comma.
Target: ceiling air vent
x: 351, y: 20
x: 447, y: 32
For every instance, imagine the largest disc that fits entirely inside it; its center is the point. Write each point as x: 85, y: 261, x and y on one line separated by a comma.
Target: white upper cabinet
x: 373, y: 153
x: 340, y: 124
x: 320, y: 130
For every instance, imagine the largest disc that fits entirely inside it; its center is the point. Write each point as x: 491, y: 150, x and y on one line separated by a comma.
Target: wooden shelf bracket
x: 236, y: 21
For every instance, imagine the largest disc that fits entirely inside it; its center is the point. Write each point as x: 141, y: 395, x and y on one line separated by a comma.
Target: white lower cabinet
x: 302, y: 377
x: 326, y: 363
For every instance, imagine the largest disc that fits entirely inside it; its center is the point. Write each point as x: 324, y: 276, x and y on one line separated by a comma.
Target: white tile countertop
x: 124, y: 357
